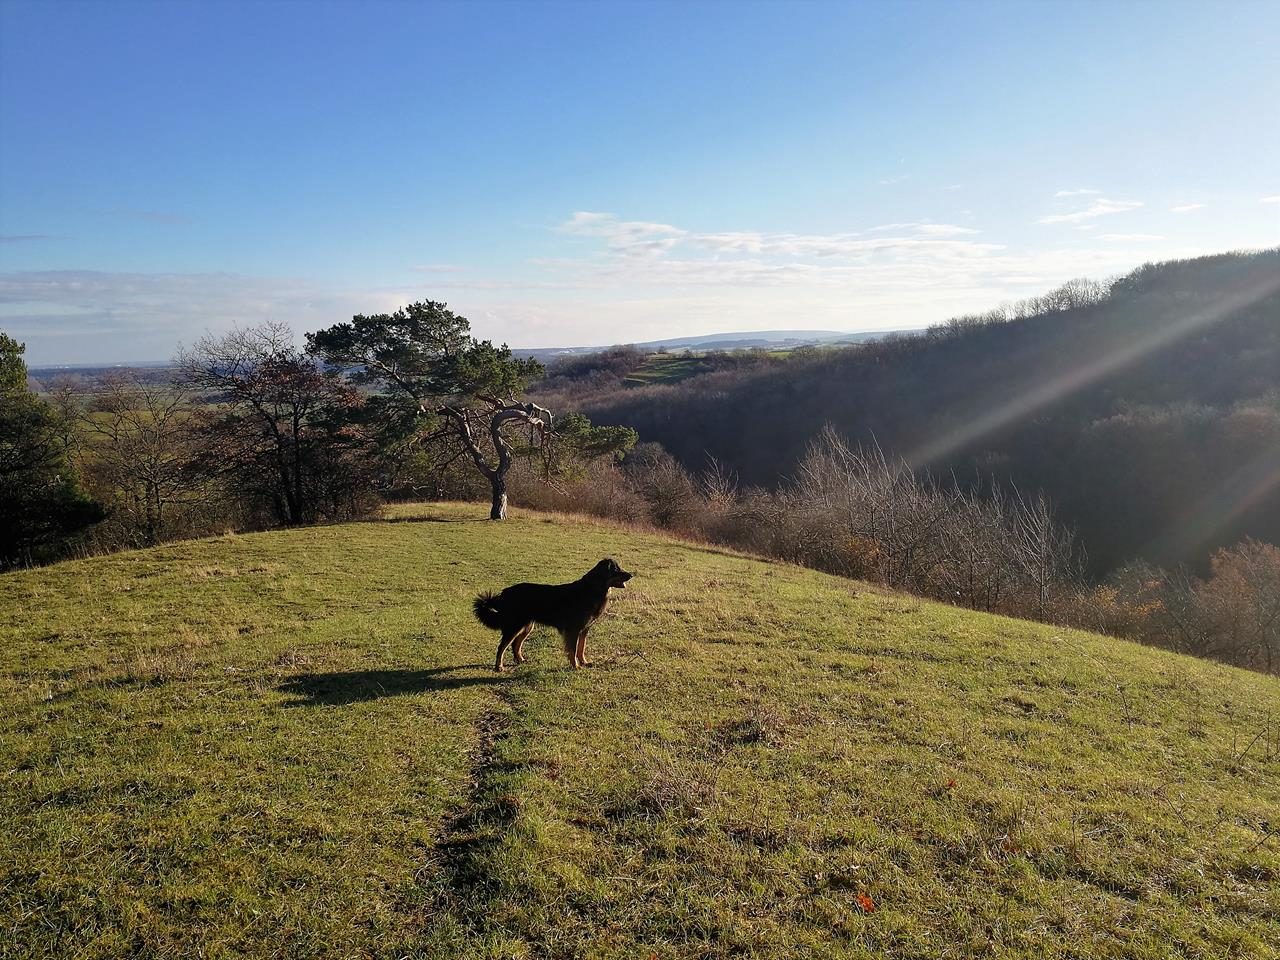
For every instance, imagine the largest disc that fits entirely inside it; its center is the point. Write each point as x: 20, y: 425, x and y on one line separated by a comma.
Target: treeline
x: 1146, y: 408
x: 42, y: 503
x: 1232, y: 614
x: 246, y: 433
x: 250, y: 431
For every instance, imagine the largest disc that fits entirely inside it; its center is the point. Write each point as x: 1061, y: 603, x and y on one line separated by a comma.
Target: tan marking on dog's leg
x: 517, y: 651
x: 582, y: 649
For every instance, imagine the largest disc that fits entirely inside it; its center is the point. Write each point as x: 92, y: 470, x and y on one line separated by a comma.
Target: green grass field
x: 292, y: 745
x: 664, y: 368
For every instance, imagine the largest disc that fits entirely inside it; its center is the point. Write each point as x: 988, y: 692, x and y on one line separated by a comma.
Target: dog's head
x: 609, y: 571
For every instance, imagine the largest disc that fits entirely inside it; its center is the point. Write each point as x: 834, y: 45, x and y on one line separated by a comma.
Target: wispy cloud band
x: 1101, y: 207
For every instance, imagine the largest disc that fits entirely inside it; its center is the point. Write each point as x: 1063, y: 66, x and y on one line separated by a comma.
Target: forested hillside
x: 1148, y: 409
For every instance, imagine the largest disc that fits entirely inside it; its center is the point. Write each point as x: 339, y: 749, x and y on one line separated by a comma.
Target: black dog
x: 570, y: 608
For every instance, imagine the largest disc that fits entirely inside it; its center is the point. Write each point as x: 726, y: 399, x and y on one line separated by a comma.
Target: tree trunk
x: 301, y: 513
x: 498, y: 511
x: 152, y: 523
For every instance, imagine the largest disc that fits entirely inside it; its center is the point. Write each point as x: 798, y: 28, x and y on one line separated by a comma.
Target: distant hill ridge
x: 741, y: 340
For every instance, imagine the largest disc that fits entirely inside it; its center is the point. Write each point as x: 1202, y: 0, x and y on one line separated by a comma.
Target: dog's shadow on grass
x: 358, y: 686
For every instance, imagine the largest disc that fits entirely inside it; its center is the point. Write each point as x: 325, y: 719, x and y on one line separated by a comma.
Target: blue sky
x: 602, y: 172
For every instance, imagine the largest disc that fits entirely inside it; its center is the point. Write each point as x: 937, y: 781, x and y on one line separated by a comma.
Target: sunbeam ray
x: 1038, y: 397
x: 1243, y: 490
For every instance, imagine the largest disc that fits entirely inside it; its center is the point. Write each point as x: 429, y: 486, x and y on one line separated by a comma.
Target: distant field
x: 292, y: 745
x: 669, y: 368
x: 660, y: 368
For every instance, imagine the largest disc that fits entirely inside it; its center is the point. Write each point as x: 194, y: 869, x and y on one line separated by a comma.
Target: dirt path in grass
x: 474, y: 832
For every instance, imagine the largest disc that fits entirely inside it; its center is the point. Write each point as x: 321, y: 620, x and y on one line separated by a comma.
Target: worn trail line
x: 479, y: 826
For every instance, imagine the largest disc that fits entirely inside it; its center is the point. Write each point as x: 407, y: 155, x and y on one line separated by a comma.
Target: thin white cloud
x: 1101, y: 207
x: 944, y: 230
x: 481, y: 283
x: 1083, y: 192
x: 1275, y: 199
x: 1129, y: 237
x: 438, y: 268
x: 924, y: 228
x: 1186, y: 207
x: 628, y: 237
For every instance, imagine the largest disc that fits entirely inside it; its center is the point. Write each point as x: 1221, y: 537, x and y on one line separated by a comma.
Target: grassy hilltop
x: 292, y: 744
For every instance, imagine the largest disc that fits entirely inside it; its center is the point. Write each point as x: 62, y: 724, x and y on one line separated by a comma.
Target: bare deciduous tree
x: 890, y: 519
x: 1242, y: 598
x: 144, y: 444
x: 978, y: 565
x: 276, y: 425
x: 1044, y: 552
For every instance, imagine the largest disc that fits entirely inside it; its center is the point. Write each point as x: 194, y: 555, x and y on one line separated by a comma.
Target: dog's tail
x: 488, y: 612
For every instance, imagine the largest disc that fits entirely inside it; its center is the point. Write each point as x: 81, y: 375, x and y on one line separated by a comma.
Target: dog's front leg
x: 570, y: 647
x: 582, y: 648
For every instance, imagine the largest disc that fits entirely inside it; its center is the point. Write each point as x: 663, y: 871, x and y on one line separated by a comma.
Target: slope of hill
x: 1152, y: 417
x: 290, y: 744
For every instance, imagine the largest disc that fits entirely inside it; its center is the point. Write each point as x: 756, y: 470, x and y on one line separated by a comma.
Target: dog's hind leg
x: 508, y: 634
x: 517, y: 650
